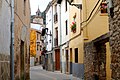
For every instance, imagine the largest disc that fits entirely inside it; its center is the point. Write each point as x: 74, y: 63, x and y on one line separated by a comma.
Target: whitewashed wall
x: 64, y: 17
x: 5, y: 18
x: 49, y: 26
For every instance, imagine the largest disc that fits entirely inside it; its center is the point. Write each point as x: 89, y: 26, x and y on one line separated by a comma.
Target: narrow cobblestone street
x: 37, y: 73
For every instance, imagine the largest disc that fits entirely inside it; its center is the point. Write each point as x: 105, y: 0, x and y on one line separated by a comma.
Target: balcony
x: 55, y: 41
x: 55, y: 18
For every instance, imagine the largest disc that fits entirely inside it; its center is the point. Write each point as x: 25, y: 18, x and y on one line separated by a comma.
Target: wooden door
x: 57, y: 59
x: 67, y: 60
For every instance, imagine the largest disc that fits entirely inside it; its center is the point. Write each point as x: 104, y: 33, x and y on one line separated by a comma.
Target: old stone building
x: 114, y: 22
x: 21, y: 46
x: 21, y: 39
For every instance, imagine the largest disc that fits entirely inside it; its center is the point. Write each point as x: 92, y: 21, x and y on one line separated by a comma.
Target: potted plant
x: 73, y: 27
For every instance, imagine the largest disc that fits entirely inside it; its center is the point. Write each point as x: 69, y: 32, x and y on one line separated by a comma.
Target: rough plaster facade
x: 21, y: 42
x: 115, y: 41
x: 95, y: 58
x: 5, y: 14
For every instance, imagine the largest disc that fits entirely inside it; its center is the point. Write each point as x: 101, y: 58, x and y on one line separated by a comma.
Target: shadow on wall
x: 78, y: 70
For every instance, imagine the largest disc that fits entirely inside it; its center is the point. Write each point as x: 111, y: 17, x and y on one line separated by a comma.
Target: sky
x: 41, y: 3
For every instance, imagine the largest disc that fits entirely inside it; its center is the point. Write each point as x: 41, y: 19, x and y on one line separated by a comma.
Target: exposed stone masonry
x: 88, y: 60
x: 115, y: 40
x: 95, y: 61
x: 4, y: 67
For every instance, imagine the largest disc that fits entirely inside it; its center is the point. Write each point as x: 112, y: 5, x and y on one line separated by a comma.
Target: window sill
x: 104, y: 14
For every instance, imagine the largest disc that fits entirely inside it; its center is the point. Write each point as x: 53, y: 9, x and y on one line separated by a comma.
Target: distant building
x: 49, y: 36
x: 35, y: 45
x: 35, y: 36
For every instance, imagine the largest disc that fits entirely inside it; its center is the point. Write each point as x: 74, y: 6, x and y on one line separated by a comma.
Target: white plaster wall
x: 55, y: 25
x: 64, y: 17
x: 49, y: 26
x: 5, y: 20
x: 37, y: 26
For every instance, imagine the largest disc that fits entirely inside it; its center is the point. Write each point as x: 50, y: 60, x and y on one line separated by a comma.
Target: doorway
x: 70, y: 60
x: 57, y: 59
x: 22, y: 75
x: 67, y: 60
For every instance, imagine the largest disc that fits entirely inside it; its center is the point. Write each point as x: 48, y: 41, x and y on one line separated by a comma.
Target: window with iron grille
x: 76, y: 55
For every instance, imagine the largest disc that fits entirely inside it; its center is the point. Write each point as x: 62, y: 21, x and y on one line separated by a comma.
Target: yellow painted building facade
x: 33, y: 43
x: 96, y: 26
x: 76, y: 52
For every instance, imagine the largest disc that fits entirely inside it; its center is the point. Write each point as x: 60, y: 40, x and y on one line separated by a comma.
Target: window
x: 104, y: 6
x: 24, y: 7
x: 40, y: 48
x: 76, y: 55
x: 55, y: 8
x: 66, y: 27
x: 65, y: 5
x: 40, y: 37
x: 37, y: 36
x: 37, y: 47
x: 55, y: 15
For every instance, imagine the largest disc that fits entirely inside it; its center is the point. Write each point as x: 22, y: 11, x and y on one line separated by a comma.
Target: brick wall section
x: 115, y: 41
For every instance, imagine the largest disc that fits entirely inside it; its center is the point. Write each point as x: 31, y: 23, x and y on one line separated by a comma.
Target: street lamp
x: 79, y: 6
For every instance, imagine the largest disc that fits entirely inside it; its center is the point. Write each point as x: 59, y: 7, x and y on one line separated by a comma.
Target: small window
x: 55, y: 8
x: 24, y: 7
x: 76, y: 55
x: 37, y: 47
x: 65, y: 5
x: 66, y: 24
x: 37, y: 36
x: 104, y: 6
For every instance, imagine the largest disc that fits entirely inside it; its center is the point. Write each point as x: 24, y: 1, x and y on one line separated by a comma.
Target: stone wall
x: 115, y: 40
x: 89, y: 60
x: 4, y: 67
x: 95, y: 61
x: 21, y: 42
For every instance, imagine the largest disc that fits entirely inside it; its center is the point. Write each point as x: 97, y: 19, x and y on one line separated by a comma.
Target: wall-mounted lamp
x: 79, y: 6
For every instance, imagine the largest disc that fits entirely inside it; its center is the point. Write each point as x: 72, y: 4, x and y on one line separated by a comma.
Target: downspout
x: 12, y: 42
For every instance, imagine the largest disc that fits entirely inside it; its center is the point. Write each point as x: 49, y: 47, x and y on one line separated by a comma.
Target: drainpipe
x: 12, y: 42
